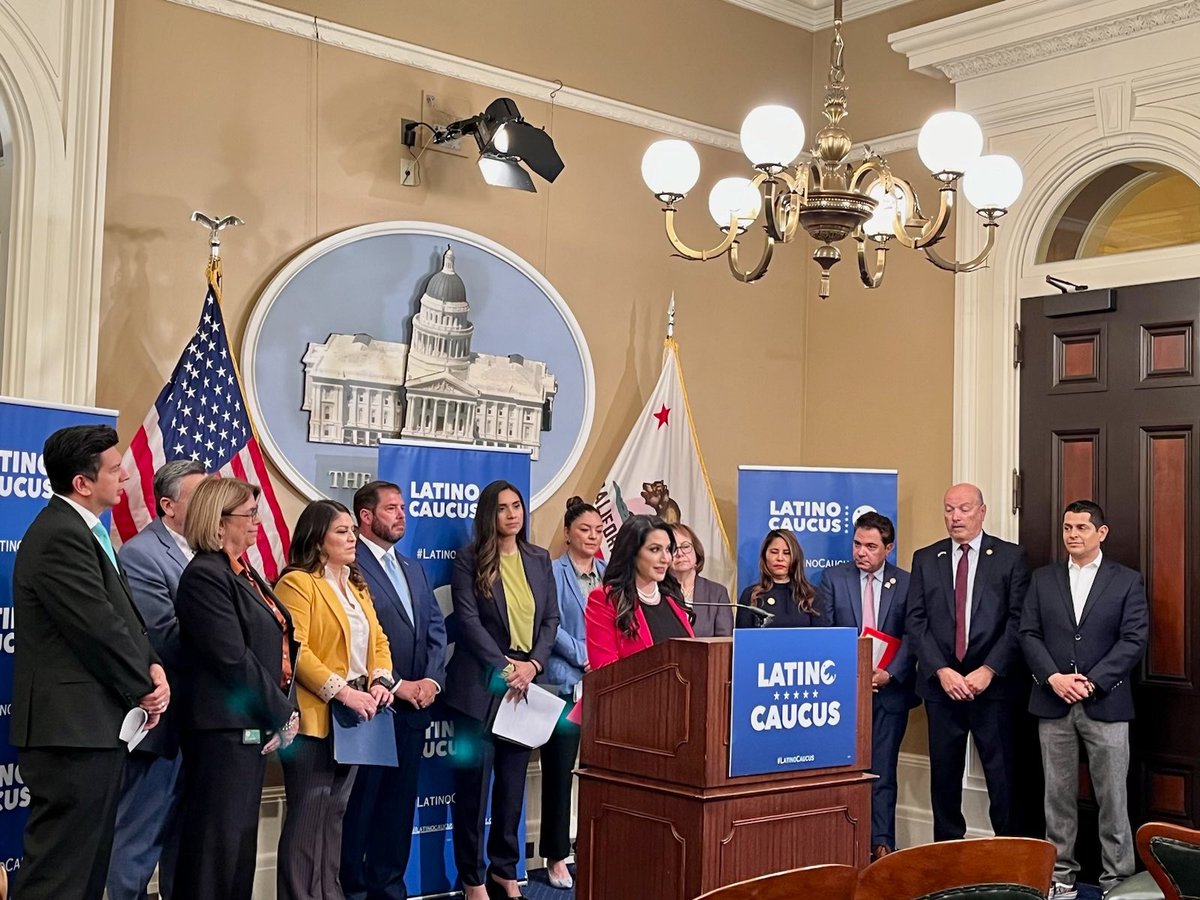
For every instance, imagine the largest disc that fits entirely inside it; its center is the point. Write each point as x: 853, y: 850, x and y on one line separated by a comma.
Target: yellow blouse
x: 519, y: 597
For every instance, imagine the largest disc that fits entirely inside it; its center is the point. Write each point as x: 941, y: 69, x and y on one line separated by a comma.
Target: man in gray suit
x: 870, y: 592
x: 153, y: 561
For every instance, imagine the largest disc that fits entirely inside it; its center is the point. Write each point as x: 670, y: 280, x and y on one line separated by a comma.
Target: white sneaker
x: 1059, y: 891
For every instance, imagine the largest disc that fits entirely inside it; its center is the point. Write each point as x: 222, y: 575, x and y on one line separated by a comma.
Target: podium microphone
x: 762, y: 618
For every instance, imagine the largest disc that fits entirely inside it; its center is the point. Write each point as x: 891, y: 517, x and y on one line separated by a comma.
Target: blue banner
x: 795, y: 699
x: 819, y: 506
x: 441, y: 485
x: 24, y: 490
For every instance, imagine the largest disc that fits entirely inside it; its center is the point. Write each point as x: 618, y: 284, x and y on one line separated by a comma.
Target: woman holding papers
x: 507, y: 612
x: 708, y: 602
x: 640, y: 604
x: 240, y: 649
x: 782, y: 589
x: 344, y: 659
x: 576, y: 574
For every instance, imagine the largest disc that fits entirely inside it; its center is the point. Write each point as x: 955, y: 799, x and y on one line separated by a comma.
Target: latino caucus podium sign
x: 795, y: 699
x: 819, y: 506
x: 441, y: 484
x: 24, y: 490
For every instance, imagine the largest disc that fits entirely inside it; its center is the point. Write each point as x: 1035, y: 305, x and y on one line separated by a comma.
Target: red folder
x: 891, y: 645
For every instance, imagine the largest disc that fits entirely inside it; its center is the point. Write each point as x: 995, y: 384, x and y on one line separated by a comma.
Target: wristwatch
x: 385, y: 681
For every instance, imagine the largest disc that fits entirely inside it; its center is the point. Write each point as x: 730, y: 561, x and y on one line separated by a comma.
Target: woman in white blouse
x: 344, y: 658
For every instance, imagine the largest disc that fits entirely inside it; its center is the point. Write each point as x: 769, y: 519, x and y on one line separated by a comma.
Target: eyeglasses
x: 252, y: 515
x: 683, y: 548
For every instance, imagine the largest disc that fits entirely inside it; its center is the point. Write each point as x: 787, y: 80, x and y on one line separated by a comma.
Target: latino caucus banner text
x: 24, y: 490
x: 441, y: 484
x: 795, y: 699
x: 819, y: 506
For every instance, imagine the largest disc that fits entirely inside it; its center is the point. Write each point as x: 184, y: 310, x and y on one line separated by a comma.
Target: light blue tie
x: 102, y: 536
x: 395, y: 574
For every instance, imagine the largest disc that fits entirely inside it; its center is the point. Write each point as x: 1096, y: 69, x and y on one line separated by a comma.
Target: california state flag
x: 660, y: 472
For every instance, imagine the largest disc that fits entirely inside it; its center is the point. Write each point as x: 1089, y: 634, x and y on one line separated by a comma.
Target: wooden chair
x: 833, y: 882
x: 1012, y: 867
x: 1172, y: 857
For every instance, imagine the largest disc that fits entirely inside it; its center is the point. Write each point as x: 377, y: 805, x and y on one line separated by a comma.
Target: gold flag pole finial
x: 215, y: 226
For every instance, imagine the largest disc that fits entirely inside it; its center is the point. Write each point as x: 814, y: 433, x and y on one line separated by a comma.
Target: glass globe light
x: 734, y: 196
x: 671, y: 167
x: 993, y: 182
x: 772, y: 135
x: 882, y: 221
x: 949, y: 141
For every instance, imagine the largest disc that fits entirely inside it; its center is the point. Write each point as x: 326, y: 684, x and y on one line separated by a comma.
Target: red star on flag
x: 662, y: 415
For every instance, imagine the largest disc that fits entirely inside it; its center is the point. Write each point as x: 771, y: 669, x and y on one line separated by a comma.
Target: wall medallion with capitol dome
x: 414, y: 330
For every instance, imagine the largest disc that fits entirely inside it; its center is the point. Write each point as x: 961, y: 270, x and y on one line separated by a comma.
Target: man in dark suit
x: 82, y: 661
x: 870, y: 592
x: 153, y: 561
x: 377, y: 829
x: 1083, y: 629
x: 964, y: 609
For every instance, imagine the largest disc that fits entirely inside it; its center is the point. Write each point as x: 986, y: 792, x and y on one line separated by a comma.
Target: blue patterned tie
x: 105, y: 542
x: 395, y: 574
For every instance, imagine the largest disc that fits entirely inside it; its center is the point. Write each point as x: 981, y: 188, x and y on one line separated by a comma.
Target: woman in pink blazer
x: 640, y: 603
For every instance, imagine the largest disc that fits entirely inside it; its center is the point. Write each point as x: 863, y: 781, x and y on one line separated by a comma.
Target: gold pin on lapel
x: 988, y: 551
x: 770, y: 601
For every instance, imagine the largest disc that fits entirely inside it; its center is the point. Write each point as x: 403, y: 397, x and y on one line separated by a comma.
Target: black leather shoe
x: 497, y: 891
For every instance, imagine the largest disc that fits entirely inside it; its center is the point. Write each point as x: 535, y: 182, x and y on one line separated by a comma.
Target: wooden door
x: 1110, y: 410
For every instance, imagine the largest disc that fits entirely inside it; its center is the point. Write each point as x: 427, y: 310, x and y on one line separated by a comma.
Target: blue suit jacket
x: 418, y: 648
x: 483, y: 636
x: 153, y: 564
x: 839, y: 596
x: 569, y: 655
x: 1001, y: 579
x: 1105, y: 644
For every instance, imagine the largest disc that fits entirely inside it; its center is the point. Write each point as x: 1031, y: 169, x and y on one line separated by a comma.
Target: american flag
x: 201, y: 414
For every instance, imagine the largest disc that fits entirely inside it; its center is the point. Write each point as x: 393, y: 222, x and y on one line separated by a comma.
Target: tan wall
x: 214, y: 114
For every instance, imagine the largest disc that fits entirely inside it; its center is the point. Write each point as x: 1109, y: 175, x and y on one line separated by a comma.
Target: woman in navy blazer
x: 576, y: 574
x: 507, y: 611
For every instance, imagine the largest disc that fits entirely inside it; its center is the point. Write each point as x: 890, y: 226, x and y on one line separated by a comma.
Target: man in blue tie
x: 82, y: 661
x: 377, y: 829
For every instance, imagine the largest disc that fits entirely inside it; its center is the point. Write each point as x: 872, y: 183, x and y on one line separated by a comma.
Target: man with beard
x: 377, y: 830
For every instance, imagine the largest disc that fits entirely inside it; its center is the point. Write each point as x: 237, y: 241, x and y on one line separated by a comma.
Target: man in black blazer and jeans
x: 964, y: 609
x: 1083, y: 629
x: 82, y: 661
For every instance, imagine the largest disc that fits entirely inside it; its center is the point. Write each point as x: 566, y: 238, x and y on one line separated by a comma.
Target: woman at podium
x: 782, y: 589
x: 507, y: 611
x: 576, y: 574
x: 640, y: 603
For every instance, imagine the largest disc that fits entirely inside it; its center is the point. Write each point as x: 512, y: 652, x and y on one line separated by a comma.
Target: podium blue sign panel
x: 795, y: 699
x: 819, y: 506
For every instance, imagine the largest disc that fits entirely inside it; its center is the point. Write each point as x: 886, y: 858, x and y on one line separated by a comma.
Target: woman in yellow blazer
x: 344, y: 658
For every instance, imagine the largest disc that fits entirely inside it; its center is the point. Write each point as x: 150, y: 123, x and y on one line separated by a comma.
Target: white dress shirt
x: 88, y: 516
x: 184, y: 547
x: 360, y: 628
x: 972, y: 565
x: 1082, y: 578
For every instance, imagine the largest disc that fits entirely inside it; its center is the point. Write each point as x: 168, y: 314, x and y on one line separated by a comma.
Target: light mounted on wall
x: 506, y: 143
x: 831, y: 198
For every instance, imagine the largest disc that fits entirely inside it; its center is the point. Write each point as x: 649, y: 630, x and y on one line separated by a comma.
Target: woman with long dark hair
x: 576, y: 574
x: 782, y: 589
x: 507, y: 611
x: 640, y: 603
x: 344, y: 659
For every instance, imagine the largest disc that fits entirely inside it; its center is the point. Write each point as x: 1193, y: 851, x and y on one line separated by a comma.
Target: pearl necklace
x: 653, y: 598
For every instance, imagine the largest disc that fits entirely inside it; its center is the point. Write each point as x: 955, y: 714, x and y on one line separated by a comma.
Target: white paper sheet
x: 133, y: 729
x: 529, y: 720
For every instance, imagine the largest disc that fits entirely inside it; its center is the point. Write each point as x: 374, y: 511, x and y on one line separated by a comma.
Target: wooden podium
x: 659, y: 816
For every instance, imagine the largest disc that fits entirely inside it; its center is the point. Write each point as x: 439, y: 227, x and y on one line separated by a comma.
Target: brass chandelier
x: 830, y: 197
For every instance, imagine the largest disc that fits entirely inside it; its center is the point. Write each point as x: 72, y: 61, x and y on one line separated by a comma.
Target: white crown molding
x: 814, y: 15
x: 356, y: 40
x: 1017, y: 33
